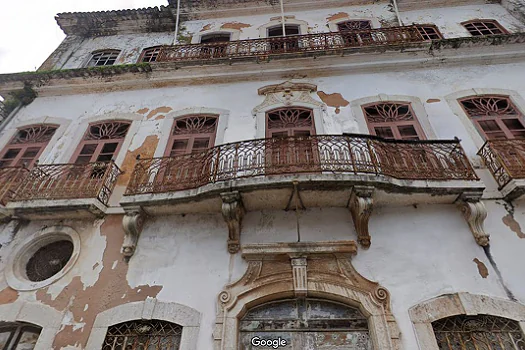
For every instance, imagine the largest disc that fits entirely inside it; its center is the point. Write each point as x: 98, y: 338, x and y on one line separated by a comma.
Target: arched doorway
x: 304, y: 324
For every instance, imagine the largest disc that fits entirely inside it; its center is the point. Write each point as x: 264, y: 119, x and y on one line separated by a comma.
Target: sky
x: 29, y: 32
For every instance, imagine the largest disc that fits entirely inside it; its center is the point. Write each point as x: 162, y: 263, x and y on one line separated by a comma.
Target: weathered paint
x: 235, y: 25
x: 513, y: 225
x: 482, y: 269
x: 146, y: 150
x: 335, y: 100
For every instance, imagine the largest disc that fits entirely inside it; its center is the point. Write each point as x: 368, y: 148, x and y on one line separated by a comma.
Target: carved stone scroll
x: 361, y: 205
x: 475, y: 213
x: 233, y: 212
x: 132, y: 223
x: 300, y: 279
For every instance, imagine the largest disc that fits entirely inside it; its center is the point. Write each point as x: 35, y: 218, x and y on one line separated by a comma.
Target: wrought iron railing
x: 10, y: 179
x: 347, y: 154
x: 69, y: 181
x: 505, y: 159
x: 291, y: 44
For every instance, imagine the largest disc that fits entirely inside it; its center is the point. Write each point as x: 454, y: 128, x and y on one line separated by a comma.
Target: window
x: 217, y: 45
x: 150, y: 55
x: 354, y: 25
x: 192, y: 134
x: 49, y: 260
x: 429, y: 32
x: 393, y: 120
x: 215, y: 38
x: 101, y: 142
x: 291, y: 29
x: 18, y: 336
x: 306, y: 324
x: 292, y: 121
x: 143, y: 334
x: 482, y: 27
x: 103, y: 58
x: 496, y: 117
x: 26, y: 146
x: 478, y: 332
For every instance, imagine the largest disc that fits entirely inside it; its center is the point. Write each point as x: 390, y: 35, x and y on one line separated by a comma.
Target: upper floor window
x: 150, y: 54
x: 26, y: 146
x: 496, y: 117
x: 215, y: 38
x: 101, y: 142
x: 290, y: 29
x: 192, y: 134
x: 478, y: 332
x: 143, y: 334
x: 482, y: 27
x: 354, y: 25
x: 429, y: 32
x: 393, y: 120
x: 290, y: 121
x: 103, y: 58
x: 18, y: 335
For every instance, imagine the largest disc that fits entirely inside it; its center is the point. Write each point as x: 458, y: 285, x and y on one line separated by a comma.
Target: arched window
x: 101, y: 142
x: 150, y: 54
x: 429, y: 32
x: 305, y: 324
x: 348, y: 29
x: 290, y: 121
x: 354, y: 25
x: 192, y: 134
x: 478, y: 332
x: 496, y: 117
x: 143, y: 334
x: 393, y: 120
x: 217, y: 44
x: 18, y: 335
x: 103, y: 58
x: 483, y: 27
x: 26, y: 146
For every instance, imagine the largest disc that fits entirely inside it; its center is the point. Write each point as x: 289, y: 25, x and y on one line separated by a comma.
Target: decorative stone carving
x: 282, y: 270
x: 233, y: 212
x: 132, y: 223
x: 475, y: 213
x: 361, y: 206
x: 287, y: 94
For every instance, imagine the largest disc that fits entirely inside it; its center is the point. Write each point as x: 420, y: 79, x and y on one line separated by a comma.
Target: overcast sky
x: 29, y: 32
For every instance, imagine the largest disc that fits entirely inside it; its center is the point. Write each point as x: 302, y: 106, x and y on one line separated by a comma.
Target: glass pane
x: 104, y: 157
x: 280, y: 134
x: 12, y: 153
x: 199, y: 144
x: 110, y: 147
x: 31, y: 152
x: 83, y: 160
x: 408, y: 132
x: 384, y: 132
x: 89, y: 148
x: 27, y: 341
x: 179, y: 145
x: 301, y: 133
x: 4, y: 339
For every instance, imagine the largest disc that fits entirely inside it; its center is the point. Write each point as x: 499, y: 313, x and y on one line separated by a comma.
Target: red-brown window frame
x: 145, y: 51
x: 394, y: 124
x: 425, y: 35
x: 190, y: 137
x: 498, y: 119
x: 100, y: 142
x: 290, y: 130
x: 104, y: 51
x: 24, y: 146
x: 483, y: 21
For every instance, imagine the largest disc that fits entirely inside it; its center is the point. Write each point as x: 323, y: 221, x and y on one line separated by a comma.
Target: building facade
x: 268, y: 174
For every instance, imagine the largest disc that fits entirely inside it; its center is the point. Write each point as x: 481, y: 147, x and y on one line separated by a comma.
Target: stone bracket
x: 233, y: 211
x: 361, y: 206
x: 475, y: 213
x: 300, y: 278
x: 132, y: 223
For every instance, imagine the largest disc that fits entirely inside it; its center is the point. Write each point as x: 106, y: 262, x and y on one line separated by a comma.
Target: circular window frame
x: 15, y: 273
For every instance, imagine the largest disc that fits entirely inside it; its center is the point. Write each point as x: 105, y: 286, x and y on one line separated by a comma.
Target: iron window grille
x: 354, y: 25
x: 393, y: 120
x: 103, y: 58
x: 143, y: 334
x: 49, y: 260
x: 483, y: 27
x: 18, y: 335
x: 150, y: 54
x: 429, y: 32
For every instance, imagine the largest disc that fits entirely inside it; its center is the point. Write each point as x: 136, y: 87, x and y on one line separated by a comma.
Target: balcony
x: 64, y: 190
x: 323, y: 167
x: 298, y: 45
x: 10, y: 179
x: 506, y: 161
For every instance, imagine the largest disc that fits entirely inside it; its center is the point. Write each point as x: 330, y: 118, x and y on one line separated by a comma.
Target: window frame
x: 102, y: 52
x: 190, y: 137
x: 484, y: 22
x: 145, y: 52
x: 338, y: 24
x: 290, y: 130
x: 17, y: 330
x: 425, y: 35
x: 394, y: 125
x: 136, y: 335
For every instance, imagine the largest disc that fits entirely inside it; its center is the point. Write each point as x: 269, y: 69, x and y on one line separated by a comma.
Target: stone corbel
x: 475, y: 213
x: 300, y: 278
x: 233, y: 212
x: 132, y: 223
x: 361, y: 205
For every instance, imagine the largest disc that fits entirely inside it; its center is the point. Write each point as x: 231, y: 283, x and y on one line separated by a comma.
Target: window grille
x: 18, y: 335
x: 103, y: 58
x: 49, y: 260
x: 142, y: 335
x: 429, y: 32
x: 478, y: 332
x: 26, y: 146
x: 354, y: 25
x: 484, y: 27
x: 292, y: 121
x: 496, y: 117
x: 192, y: 134
x: 101, y: 142
x: 393, y: 120
x: 150, y: 55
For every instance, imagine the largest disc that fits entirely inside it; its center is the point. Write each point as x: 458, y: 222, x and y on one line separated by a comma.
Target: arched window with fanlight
x: 26, y: 146
x: 192, y: 134
x: 495, y: 116
x: 355, y: 32
x: 485, y: 332
x: 393, y: 120
x: 18, y: 335
x: 143, y: 334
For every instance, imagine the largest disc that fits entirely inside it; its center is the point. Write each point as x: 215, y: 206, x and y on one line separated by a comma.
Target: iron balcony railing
x: 347, y: 154
x: 505, y: 159
x: 10, y: 179
x: 69, y: 181
x: 291, y: 44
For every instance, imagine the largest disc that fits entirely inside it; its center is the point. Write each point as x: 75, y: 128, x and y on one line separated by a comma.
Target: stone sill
x: 56, y: 209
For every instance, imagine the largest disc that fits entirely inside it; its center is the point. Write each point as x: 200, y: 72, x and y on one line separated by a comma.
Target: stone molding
x: 132, y: 223
x: 475, y: 212
x: 36, y: 313
x: 361, y: 205
x: 423, y: 314
x: 233, y: 211
x: 148, y: 309
x: 327, y: 272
